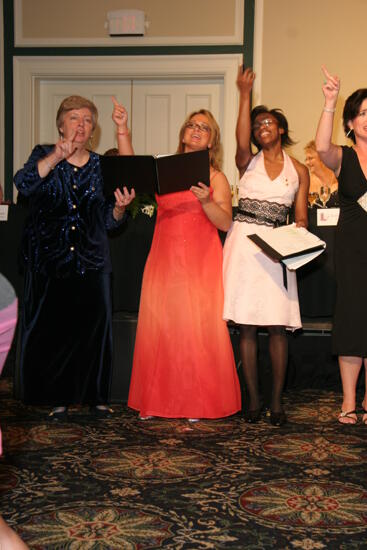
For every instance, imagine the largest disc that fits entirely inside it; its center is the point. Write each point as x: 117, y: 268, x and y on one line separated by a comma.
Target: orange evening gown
x: 183, y: 361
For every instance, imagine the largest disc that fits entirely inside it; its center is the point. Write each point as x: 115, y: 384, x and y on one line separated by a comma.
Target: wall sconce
x: 126, y: 23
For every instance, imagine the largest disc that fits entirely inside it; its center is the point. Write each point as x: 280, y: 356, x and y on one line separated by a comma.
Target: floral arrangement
x: 143, y: 203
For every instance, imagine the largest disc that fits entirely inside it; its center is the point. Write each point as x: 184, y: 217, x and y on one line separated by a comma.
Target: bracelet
x: 123, y: 133
x: 48, y: 164
x: 327, y: 110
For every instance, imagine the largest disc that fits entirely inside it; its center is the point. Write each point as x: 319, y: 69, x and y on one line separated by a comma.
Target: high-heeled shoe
x: 102, y: 411
x: 58, y: 414
x: 364, y: 415
x: 251, y: 417
x: 278, y: 418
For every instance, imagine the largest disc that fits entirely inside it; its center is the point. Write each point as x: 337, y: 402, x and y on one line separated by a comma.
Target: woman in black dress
x: 350, y: 167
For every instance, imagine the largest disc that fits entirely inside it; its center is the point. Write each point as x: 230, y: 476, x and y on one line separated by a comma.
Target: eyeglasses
x: 198, y: 126
x: 266, y: 122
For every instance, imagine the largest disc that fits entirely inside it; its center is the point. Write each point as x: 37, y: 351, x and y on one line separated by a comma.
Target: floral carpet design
x: 120, y: 483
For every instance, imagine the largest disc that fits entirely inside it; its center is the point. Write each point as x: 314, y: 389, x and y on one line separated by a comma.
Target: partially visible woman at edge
x: 9, y: 539
x: 183, y: 361
x: 255, y: 295
x: 349, y: 337
x: 66, y: 321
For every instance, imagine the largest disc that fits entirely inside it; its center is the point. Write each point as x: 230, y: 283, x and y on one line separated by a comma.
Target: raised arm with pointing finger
x: 329, y: 153
x: 119, y: 116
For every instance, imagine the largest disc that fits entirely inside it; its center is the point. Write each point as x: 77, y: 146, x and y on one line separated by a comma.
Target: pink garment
x: 8, y: 320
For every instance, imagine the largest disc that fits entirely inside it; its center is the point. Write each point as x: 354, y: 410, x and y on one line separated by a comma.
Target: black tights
x: 278, y: 350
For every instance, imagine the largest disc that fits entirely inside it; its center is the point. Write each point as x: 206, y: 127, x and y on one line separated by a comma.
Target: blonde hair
x: 75, y: 102
x: 215, y: 150
x: 311, y: 145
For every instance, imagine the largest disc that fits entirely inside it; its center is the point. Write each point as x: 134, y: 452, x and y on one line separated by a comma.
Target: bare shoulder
x: 218, y: 179
x: 301, y: 168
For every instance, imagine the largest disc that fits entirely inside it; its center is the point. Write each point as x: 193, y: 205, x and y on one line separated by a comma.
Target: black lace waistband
x: 262, y: 212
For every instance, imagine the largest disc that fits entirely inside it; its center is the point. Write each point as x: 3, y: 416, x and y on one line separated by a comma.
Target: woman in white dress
x: 255, y: 294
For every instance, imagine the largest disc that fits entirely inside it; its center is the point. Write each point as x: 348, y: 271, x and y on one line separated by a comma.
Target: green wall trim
x: 248, y: 33
x: 8, y: 19
x: 129, y: 50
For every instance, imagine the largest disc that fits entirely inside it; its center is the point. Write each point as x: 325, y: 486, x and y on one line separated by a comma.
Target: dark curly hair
x: 351, y: 109
x: 286, y: 140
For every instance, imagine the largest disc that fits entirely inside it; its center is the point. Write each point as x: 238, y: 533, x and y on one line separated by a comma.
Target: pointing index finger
x: 114, y: 100
x: 72, y: 136
x: 325, y: 71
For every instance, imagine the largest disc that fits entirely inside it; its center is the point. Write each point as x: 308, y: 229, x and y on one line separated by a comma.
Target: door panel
x: 159, y: 108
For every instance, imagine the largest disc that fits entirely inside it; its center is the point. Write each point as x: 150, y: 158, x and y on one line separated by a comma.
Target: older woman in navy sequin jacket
x: 66, y: 336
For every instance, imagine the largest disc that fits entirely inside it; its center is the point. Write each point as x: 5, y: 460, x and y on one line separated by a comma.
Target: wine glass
x: 324, y: 194
x: 312, y: 198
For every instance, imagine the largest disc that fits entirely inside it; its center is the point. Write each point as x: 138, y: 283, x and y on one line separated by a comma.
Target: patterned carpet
x: 122, y: 483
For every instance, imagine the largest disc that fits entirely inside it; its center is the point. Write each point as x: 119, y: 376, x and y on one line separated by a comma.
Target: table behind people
x: 316, y: 280
x: 130, y: 246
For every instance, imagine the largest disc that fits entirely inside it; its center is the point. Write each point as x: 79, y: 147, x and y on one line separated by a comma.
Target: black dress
x: 66, y: 319
x: 350, y: 326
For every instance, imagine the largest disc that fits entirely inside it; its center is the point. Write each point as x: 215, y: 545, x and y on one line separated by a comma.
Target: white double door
x: 156, y: 108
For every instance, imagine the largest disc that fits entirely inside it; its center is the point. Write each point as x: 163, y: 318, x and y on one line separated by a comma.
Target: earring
x: 349, y: 132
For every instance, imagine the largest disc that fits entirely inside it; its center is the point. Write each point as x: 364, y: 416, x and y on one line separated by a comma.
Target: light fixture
x: 126, y: 23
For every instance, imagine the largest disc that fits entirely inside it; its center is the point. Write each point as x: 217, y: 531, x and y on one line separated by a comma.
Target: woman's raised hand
x: 122, y: 200
x: 330, y: 87
x: 65, y: 147
x: 245, y: 79
x: 119, y: 115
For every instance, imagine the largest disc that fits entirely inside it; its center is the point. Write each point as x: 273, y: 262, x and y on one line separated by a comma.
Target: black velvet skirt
x: 66, y: 340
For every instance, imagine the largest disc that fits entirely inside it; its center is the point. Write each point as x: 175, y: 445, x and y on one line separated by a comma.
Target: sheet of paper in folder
x: 293, y: 246
x: 149, y: 174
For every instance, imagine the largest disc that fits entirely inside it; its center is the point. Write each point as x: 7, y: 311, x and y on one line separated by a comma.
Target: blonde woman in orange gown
x: 183, y: 362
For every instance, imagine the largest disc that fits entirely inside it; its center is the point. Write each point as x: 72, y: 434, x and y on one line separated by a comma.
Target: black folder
x: 289, y: 245
x: 149, y: 174
x: 276, y: 255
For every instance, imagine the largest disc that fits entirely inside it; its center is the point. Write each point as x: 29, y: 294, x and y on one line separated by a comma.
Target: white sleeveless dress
x: 254, y: 292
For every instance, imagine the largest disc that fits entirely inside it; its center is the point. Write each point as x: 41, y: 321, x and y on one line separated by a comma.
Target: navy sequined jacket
x: 66, y: 231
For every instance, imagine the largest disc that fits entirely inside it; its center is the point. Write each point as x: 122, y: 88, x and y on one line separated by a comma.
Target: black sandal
x: 278, y: 418
x: 251, y: 417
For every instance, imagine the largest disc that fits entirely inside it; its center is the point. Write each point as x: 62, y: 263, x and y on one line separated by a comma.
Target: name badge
x: 4, y: 209
x: 327, y: 216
